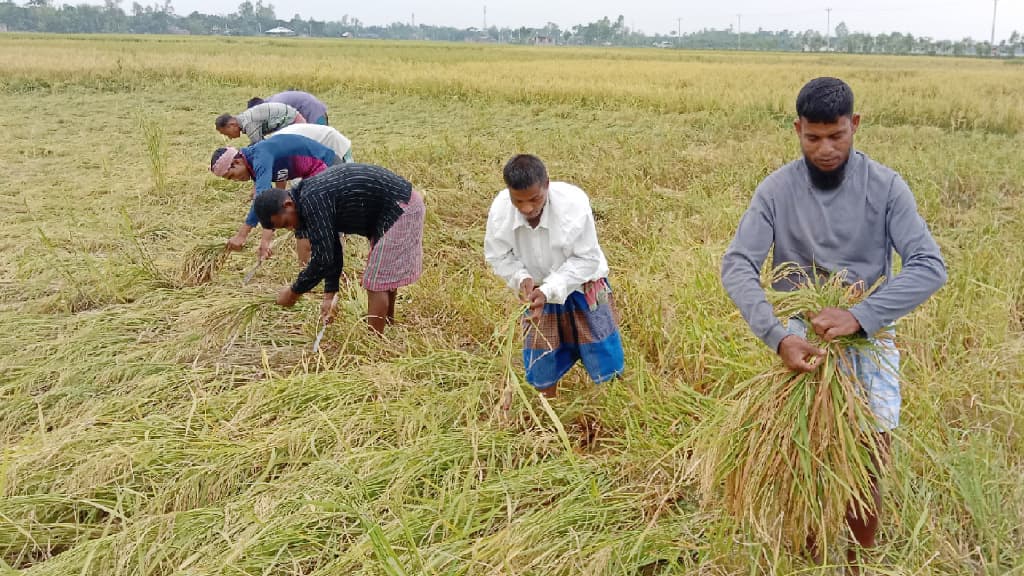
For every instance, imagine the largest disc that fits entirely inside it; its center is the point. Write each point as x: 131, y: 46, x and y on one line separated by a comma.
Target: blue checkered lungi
x: 571, y: 332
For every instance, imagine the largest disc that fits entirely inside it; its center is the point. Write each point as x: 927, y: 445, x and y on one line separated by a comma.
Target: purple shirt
x: 307, y: 104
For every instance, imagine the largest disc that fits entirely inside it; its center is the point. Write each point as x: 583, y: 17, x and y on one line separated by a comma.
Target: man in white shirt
x: 325, y: 135
x: 542, y: 241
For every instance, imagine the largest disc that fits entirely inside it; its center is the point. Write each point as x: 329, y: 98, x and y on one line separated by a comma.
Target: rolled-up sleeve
x: 327, y: 258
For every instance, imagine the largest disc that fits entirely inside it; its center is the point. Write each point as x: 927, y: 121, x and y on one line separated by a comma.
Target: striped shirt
x: 356, y: 199
x: 265, y: 118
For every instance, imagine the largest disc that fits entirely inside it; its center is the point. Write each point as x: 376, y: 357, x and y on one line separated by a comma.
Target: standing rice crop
x: 787, y: 453
x: 156, y: 151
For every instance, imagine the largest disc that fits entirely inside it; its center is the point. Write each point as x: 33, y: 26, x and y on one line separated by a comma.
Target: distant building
x: 543, y: 40
x: 280, y: 31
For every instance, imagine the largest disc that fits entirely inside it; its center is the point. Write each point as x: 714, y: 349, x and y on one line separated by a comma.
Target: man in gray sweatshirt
x: 836, y: 209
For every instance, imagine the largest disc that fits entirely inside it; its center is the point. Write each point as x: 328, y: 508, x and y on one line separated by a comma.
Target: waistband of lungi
x: 596, y: 292
x: 415, y: 198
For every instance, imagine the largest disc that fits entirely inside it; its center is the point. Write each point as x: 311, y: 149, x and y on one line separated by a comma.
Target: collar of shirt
x: 246, y: 152
x: 296, y: 193
x: 519, y: 221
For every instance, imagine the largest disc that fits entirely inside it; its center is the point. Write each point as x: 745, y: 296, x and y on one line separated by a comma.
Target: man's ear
x: 288, y: 203
x: 855, y: 122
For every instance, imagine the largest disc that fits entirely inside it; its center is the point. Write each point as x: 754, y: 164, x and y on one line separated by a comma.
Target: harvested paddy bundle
x: 202, y: 261
x: 788, y: 453
x: 233, y: 316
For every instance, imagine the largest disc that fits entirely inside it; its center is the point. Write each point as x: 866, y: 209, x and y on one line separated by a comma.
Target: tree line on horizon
x: 253, y: 19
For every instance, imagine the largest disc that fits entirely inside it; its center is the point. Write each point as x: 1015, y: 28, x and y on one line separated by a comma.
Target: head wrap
x: 223, y: 164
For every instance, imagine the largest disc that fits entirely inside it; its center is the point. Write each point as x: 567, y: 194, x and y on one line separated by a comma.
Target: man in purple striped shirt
x: 311, y: 108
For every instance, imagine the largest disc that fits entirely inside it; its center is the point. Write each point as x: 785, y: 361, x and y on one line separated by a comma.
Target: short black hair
x: 216, y: 156
x: 268, y: 203
x: 223, y: 120
x: 523, y: 171
x: 825, y: 100
x: 254, y: 101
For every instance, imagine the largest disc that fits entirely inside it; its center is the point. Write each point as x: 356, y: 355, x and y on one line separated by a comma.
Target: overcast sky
x: 946, y: 19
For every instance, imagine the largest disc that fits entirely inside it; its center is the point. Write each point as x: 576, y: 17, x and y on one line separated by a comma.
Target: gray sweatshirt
x: 855, y: 227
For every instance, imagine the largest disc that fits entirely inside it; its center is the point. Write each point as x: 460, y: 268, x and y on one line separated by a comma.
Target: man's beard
x: 823, y: 180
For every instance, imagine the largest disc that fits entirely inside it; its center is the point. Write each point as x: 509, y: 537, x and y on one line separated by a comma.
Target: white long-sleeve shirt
x: 323, y: 134
x: 560, y: 254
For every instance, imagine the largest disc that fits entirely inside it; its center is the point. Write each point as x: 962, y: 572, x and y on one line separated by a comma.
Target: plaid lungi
x: 396, y: 258
x: 576, y: 330
x: 878, y: 371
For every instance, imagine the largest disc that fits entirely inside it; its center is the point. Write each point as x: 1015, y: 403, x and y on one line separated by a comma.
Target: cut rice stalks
x: 235, y: 317
x: 202, y: 262
x: 786, y: 453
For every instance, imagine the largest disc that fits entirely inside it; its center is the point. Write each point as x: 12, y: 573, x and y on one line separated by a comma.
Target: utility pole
x: 679, y: 31
x: 739, y: 31
x: 828, y: 29
x: 485, y: 18
x: 992, y: 42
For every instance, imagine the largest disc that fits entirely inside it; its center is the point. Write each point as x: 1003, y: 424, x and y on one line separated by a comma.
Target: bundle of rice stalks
x: 787, y: 453
x: 236, y: 316
x: 202, y: 261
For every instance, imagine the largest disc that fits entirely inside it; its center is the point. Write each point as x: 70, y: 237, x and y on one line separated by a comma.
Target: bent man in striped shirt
x: 258, y: 121
x: 357, y: 199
